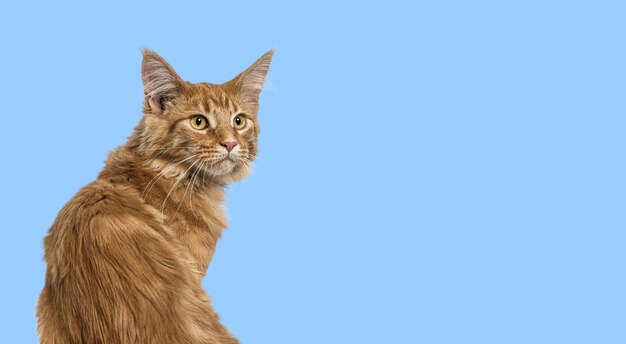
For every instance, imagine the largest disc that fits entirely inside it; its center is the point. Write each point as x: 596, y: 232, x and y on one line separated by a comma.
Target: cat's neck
x: 191, y: 206
x: 156, y: 178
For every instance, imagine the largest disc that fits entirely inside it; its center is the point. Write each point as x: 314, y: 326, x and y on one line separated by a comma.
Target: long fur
x: 127, y: 254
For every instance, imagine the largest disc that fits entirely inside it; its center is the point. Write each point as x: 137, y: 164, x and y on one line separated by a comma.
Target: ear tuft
x: 250, y: 82
x: 160, y: 81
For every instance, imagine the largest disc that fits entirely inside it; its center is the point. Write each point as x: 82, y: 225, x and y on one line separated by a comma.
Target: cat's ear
x: 160, y: 81
x: 250, y: 82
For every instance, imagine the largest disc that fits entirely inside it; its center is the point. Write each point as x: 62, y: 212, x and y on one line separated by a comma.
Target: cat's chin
x: 223, y: 167
x: 227, y: 171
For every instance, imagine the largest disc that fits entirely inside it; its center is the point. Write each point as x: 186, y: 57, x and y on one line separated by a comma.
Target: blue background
x: 445, y: 172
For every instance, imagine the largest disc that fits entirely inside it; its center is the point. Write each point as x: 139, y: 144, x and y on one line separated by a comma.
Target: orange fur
x: 127, y: 254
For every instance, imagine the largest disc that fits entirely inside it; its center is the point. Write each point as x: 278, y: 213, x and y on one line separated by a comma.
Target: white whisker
x: 162, y: 173
x: 173, y: 187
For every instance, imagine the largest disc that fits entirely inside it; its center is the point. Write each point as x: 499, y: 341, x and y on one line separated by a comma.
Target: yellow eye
x: 239, y: 122
x: 199, y: 122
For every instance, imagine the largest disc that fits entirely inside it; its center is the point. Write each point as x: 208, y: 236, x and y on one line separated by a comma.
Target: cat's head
x: 205, y: 127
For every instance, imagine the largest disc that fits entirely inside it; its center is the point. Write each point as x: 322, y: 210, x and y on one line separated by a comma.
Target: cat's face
x: 201, y: 127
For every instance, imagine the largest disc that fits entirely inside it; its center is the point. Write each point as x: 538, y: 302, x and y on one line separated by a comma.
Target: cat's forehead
x: 215, y: 99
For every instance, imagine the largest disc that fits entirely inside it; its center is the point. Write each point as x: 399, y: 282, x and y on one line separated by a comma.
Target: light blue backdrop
x: 450, y: 172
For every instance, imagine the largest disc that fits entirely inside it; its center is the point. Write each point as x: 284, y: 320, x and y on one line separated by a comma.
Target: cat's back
x: 73, y: 226
x: 108, y: 260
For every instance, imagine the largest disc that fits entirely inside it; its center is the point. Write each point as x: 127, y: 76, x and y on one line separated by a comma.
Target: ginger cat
x: 127, y: 254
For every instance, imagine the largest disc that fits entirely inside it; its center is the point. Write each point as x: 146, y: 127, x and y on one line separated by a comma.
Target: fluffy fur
x: 127, y: 254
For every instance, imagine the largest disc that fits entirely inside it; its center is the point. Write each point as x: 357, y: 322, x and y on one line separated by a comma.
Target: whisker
x: 173, y: 187
x: 162, y: 173
x: 161, y: 151
x: 186, y: 189
x: 204, y: 177
x: 193, y: 178
x: 146, y: 160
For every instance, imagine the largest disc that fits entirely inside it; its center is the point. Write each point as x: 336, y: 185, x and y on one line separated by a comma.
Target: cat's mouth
x: 227, y: 164
x: 223, y: 165
x: 228, y: 159
x: 224, y: 159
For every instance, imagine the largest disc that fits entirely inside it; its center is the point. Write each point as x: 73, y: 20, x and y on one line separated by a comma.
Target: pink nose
x: 229, y: 144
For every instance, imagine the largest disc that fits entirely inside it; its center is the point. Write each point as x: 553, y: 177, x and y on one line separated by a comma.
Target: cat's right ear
x: 160, y: 81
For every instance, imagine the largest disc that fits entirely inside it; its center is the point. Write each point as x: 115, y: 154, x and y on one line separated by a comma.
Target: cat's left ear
x: 250, y: 82
x: 160, y: 81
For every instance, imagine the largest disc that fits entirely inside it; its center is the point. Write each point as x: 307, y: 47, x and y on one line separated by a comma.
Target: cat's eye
x: 239, y: 122
x: 199, y: 122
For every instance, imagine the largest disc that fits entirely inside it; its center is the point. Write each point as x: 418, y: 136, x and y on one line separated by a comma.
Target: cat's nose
x: 229, y: 144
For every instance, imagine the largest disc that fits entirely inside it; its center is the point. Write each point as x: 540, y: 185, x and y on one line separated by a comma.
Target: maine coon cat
x: 127, y: 254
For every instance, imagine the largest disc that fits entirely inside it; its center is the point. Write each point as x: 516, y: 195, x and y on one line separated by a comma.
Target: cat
x: 127, y: 254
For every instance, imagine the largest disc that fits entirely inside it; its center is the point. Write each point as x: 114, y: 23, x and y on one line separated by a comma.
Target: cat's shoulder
x: 102, y: 195
x: 105, y: 199
x: 101, y: 217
